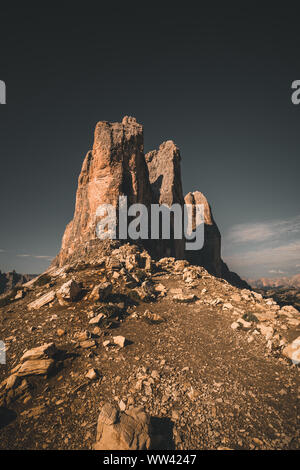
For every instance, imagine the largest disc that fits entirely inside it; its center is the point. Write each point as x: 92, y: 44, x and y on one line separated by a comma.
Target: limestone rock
x: 92, y: 374
x: 184, y: 298
x: 101, y: 291
x: 118, y: 430
x: 45, y: 351
x: 115, y: 166
x: 119, y: 341
x: 210, y: 255
x: 90, y: 343
x: 69, y: 291
x: 246, y: 325
x: 165, y: 179
x: 292, y: 351
x: 20, y: 294
x: 42, y: 301
x: 36, y: 367
x: 289, y: 311
x: 12, y: 381
x: 83, y: 335
x: 97, y: 319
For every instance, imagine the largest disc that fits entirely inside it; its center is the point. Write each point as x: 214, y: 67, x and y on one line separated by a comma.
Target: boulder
x: 68, y: 292
x: 36, y: 367
x: 184, y: 298
x: 289, y: 311
x: 118, y: 430
x: 42, y: 301
x: 292, y: 351
x: 119, y: 341
x: 46, y: 351
x: 92, y: 374
x: 101, y: 291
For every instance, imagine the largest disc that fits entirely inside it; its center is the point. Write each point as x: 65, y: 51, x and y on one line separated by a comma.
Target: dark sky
x: 216, y: 80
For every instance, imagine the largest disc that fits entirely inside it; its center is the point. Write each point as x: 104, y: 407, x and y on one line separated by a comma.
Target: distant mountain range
x: 11, y: 279
x: 268, y: 283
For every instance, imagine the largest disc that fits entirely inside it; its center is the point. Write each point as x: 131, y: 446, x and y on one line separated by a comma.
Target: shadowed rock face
x: 166, y: 186
x: 116, y: 166
x: 9, y: 280
x: 210, y: 255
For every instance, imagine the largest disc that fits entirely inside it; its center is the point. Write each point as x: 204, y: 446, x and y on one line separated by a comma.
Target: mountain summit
x: 117, y: 166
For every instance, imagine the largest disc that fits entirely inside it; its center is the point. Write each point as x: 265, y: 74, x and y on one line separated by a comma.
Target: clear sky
x: 216, y: 80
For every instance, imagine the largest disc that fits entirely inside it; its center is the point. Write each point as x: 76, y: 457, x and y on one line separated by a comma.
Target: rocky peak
x: 166, y: 186
x: 115, y: 166
x: 12, y: 279
x: 210, y: 255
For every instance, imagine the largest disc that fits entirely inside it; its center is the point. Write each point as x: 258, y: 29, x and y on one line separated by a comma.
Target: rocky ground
x: 213, y: 366
x: 284, y: 296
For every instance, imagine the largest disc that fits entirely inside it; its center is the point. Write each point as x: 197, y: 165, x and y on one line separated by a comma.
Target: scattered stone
x: 92, y: 374
x: 246, y: 325
x: 122, y: 405
x: 97, y: 320
x: 184, y: 298
x: 91, y: 343
x: 289, y: 310
x: 228, y: 306
x: 236, y: 298
x: 101, y: 291
x: 119, y: 341
x: 266, y: 331
x: 83, y: 336
x: 235, y: 325
x: 20, y: 294
x: 69, y: 292
x: 153, y: 317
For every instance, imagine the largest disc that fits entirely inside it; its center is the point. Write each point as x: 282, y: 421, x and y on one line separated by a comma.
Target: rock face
x: 116, y: 166
x: 210, y: 255
x: 122, y: 431
x: 166, y: 186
